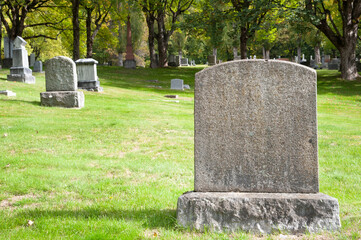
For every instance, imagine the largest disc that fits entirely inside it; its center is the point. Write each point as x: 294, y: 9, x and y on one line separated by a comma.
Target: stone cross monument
x: 129, y: 57
x: 256, y: 163
x: 20, y: 71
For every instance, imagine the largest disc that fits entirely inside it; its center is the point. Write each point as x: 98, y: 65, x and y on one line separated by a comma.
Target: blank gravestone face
x: 176, y: 84
x: 60, y: 74
x: 255, y: 128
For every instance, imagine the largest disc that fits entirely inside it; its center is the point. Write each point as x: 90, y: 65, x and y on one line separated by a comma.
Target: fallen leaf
x: 30, y: 223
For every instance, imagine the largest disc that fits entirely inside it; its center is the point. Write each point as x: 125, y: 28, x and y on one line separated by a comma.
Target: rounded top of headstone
x: 85, y: 61
x: 61, y: 74
x: 257, y: 64
x: 19, y: 42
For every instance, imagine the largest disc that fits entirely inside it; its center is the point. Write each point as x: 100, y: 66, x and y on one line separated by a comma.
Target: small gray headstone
x: 32, y: 60
x: 8, y: 93
x: 334, y: 64
x: 172, y: 61
x: 61, y: 74
x: 184, y: 62
x: 186, y: 86
x: 176, y: 84
x: 38, y: 66
x: 212, y: 60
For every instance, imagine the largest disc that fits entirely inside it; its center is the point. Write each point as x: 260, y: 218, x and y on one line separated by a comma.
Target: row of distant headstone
x: 179, y: 61
x: 63, y: 77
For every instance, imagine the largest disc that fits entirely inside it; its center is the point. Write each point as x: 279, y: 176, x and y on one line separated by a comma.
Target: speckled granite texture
x: 258, y: 212
x: 60, y: 74
x: 255, y: 128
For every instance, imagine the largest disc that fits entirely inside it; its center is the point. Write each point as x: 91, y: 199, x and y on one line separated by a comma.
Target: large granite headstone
x: 87, y: 74
x: 61, y: 84
x: 256, y: 165
x: 20, y: 71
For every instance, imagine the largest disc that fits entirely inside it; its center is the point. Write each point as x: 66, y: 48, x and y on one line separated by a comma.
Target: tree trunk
x: 1, y: 36
x: 162, y: 42
x: 317, y: 54
x: 266, y: 53
x: 151, y: 37
x: 120, y: 59
x: 348, y: 61
x: 299, y: 54
x: 89, y: 39
x: 76, y: 30
x: 243, y: 44
x: 120, y: 52
x: 235, y: 53
x: 215, y: 52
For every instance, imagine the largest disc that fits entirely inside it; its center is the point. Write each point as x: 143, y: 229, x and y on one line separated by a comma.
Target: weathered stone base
x: 65, y: 99
x: 258, y: 212
x: 21, y: 74
x: 30, y: 79
x: 90, y: 85
x: 130, y: 64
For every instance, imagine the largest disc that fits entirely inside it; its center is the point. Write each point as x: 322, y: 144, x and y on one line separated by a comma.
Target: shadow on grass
x: 35, y: 103
x: 330, y: 82
x: 152, y: 218
x: 143, y: 78
x: 5, y: 79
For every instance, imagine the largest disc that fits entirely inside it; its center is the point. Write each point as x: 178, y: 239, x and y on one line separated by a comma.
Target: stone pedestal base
x: 65, y: 99
x: 21, y: 74
x: 258, y: 212
x: 130, y: 64
x: 90, y: 85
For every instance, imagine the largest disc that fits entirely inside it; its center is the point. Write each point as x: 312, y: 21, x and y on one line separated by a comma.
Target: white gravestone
x: 20, y: 71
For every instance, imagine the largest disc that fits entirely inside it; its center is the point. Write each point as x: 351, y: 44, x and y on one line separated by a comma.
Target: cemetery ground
x: 115, y: 169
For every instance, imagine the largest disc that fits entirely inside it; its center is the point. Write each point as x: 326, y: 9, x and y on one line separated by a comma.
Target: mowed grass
x: 115, y: 169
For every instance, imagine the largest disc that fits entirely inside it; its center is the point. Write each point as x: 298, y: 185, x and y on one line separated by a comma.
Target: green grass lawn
x: 115, y: 169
